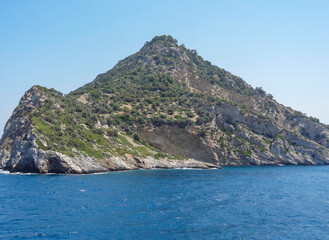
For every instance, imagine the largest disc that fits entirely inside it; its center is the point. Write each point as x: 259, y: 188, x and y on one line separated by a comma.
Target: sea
x: 263, y: 202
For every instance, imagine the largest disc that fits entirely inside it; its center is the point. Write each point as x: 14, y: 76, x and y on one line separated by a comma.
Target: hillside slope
x: 162, y: 107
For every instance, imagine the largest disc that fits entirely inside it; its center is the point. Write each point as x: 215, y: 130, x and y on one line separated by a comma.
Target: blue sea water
x: 290, y: 202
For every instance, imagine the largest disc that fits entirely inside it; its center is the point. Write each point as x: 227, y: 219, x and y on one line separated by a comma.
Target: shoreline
x: 5, y: 172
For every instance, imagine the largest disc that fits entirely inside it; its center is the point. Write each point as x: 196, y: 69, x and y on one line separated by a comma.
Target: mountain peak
x: 160, y: 45
x: 164, y: 40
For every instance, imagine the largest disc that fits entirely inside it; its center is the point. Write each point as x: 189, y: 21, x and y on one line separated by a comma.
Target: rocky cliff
x: 162, y: 107
x: 32, y: 144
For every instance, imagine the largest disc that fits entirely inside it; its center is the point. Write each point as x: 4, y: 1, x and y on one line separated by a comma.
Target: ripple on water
x: 232, y: 203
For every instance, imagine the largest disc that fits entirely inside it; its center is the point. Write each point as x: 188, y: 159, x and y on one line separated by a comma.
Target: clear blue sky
x: 282, y: 46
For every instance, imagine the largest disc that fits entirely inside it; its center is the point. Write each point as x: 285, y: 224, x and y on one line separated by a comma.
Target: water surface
x: 231, y: 203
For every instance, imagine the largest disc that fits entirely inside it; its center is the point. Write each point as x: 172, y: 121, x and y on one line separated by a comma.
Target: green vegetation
x: 160, y: 155
x: 147, y: 90
x: 68, y: 126
x: 246, y: 153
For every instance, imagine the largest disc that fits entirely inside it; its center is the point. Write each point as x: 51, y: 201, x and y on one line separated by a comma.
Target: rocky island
x: 162, y: 107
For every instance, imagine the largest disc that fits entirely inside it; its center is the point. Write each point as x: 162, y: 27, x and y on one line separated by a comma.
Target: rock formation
x: 162, y: 107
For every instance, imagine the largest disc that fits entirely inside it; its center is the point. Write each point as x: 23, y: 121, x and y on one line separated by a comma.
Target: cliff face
x: 25, y: 145
x: 19, y: 151
x: 162, y: 107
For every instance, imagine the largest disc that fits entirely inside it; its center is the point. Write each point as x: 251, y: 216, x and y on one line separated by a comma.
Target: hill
x: 162, y: 107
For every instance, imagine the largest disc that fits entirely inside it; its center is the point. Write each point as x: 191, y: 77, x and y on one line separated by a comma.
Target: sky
x: 281, y: 46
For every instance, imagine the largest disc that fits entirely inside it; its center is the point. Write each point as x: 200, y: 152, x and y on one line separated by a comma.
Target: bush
x: 190, y: 114
x: 136, y: 137
x: 98, y: 131
x: 112, y: 132
x: 202, y: 133
x: 160, y: 155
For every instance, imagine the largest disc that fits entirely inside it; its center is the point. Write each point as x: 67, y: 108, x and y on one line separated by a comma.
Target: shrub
x: 190, y: 114
x: 160, y: 155
x: 136, y: 137
x: 98, y: 131
x: 112, y: 132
